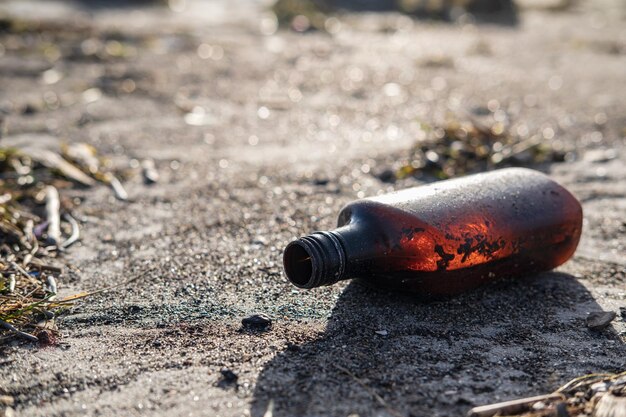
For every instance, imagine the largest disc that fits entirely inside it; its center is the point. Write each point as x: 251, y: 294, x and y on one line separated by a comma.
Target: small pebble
x: 538, y: 406
x: 382, y: 332
x: 598, y: 320
x: 29, y: 109
x: 259, y: 322
x: 7, y: 400
x: 387, y: 176
x: 259, y: 240
x: 228, y: 376
x: 134, y: 309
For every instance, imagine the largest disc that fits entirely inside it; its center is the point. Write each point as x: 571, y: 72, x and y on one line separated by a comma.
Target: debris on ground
x: 7, y: 400
x: 514, y: 406
x: 302, y: 15
x: 611, y: 405
x: 600, y: 395
x: 305, y: 15
x: 149, y: 172
x: 465, y: 147
x: 37, y: 225
x: 229, y: 376
x: 257, y: 322
x: 228, y: 379
x: 599, y: 320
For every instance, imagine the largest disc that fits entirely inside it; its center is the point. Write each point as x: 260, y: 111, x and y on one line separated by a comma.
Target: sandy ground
x: 291, y: 128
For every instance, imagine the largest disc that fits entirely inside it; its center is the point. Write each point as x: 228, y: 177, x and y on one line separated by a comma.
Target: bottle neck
x: 318, y: 259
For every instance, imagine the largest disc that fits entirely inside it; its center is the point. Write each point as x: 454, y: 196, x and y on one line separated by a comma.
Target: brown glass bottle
x: 444, y: 238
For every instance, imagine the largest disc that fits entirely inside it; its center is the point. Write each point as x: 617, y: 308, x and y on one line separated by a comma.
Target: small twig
x: 20, y: 270
x: 27, y: 258
x: 75, y: 231
x: 512, y: 407
x: 52, y: 286
x: 36, y: 263
x: 520, y: 147
x: 373, y: 393
x: 53, y: 205
x: 118, y: 188
x: 33, y: 251
x: 149, y: 172
x: 11, y: 282
x: 29, y: 234
x: 20, y: 333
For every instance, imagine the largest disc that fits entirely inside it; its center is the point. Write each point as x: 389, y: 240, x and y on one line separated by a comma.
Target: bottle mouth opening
x: 298, y: 264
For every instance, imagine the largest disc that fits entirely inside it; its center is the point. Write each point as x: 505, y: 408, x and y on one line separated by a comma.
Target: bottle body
x: 448, y: 237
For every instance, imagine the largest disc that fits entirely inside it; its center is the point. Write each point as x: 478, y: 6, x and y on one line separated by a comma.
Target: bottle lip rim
x: 314, y: 260
x: 296, y: 274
